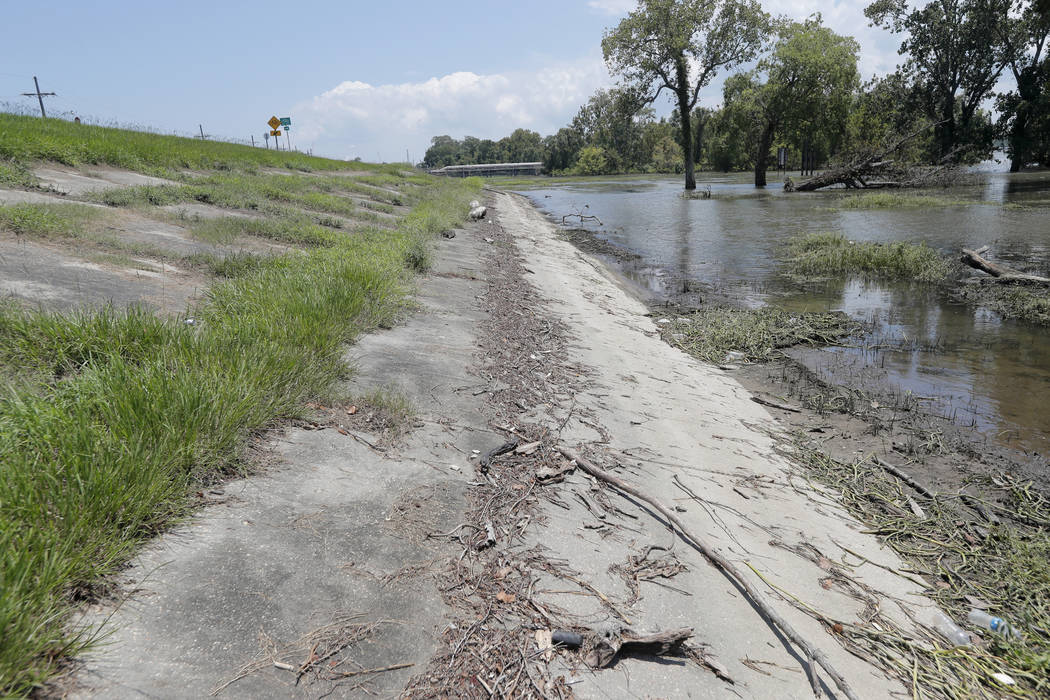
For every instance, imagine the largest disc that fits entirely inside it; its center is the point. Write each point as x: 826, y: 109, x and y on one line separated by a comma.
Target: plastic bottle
x: 989, y: 622
x: 949, y: 630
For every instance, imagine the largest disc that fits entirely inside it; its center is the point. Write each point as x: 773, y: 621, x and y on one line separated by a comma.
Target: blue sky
x: 361, y: 79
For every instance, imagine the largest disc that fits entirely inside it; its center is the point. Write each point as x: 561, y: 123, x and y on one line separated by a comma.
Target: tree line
x: 803, y: 96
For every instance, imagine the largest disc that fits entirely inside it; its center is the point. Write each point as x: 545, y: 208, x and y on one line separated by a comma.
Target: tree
x: 443, y: 151
x: 809, y: 82
x: 522, y: 146
x: 955, y: 56
x: 680, y: 45
x: 562, y: 149
x: 1023, y: 108
x: 614, y: 119
x: 592, y: 161
x: 883, y: 111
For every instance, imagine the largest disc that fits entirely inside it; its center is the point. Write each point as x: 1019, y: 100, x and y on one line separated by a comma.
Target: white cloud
x: 613, y: 7
x: 358, y: 119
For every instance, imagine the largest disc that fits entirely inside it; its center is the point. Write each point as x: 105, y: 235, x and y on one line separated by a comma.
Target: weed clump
x: 47, y: 220
x: 899, y: 200
x: 818, y: 255
x: 710, y: 334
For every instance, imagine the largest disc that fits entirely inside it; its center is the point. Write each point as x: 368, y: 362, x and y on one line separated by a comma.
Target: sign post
x: 286, y: 122
x: 273, y: 123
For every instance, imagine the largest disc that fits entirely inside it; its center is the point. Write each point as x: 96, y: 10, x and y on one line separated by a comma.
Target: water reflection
x: 973, y: 366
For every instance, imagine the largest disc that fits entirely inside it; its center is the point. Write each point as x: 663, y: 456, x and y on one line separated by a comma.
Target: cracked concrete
x: 316, y: 534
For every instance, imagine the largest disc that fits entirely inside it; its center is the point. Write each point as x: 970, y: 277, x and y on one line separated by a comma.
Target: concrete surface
x: 315, y: 535
x: 52, y: 278
x: 670, y: 415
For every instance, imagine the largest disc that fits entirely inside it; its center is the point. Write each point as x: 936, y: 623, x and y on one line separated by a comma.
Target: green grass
x: 262, y: 192
x: 227, y: 229
x: 111, y: 419
x: 14, y: 174
x: 48, y: 220
x: 818, y: 255
x: 26, y: 139
x: 898, y: 200
x: 711, y: 333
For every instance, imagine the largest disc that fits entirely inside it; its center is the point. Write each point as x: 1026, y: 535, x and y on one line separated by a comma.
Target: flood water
x: 971, y: 365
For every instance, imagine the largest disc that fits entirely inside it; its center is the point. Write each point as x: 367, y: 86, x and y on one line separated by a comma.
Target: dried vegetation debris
x: 502, y: 639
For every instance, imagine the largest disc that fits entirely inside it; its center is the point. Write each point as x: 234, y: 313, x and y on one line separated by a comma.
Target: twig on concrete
x: 757, y: 599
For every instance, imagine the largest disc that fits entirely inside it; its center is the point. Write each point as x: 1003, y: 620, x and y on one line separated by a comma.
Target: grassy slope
x: 110, y: 420
x: 25, y: 139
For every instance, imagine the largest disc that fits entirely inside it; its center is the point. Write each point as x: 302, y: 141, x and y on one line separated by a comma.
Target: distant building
x: 489, y: 169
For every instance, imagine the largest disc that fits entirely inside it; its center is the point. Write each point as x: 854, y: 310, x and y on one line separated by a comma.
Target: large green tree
x: 1023, y: 109
x: 680, y: 45
x: 956, y: 54
x: 613, y: 120
x: 810, y: 81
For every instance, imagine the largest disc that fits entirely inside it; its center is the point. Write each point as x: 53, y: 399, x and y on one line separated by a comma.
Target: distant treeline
x: 804, y: 95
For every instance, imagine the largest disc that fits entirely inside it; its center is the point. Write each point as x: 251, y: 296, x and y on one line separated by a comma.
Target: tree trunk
x: 762, y: 155
x: 1018, y: 140
x: 946, y: 129
x: 682, y: 75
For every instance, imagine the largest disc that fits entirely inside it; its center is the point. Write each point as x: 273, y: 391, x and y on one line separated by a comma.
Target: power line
x: 39, y: 96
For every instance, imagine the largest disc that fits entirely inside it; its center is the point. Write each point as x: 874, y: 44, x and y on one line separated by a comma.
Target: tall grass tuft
x: 831, y: 254
x: 117, y: 415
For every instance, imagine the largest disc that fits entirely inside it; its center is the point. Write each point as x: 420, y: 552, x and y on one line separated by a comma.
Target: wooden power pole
x: 39, y: 96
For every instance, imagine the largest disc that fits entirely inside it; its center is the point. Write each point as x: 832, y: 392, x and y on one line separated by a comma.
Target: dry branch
x: 609, y: 646
x: 757, y: 599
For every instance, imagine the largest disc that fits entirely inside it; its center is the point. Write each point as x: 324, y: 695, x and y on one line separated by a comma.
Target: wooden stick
x: 727, y: 567
x: 903, y: 476
x: 774, y: 404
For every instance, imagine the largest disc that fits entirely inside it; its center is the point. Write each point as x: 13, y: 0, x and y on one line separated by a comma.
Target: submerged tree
x: 810, y: 79
x: 680, y: 45
x: 1023, y: 110
x: 955, y: 56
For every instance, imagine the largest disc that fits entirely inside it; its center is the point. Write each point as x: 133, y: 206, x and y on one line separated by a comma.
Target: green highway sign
x: 286, y: 122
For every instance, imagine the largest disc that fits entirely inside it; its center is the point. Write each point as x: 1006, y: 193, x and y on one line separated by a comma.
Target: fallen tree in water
x: 878, y: 170
x: 1001, y: 273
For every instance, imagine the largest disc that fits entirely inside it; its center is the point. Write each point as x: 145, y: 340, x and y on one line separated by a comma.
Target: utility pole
x: 39, y: 96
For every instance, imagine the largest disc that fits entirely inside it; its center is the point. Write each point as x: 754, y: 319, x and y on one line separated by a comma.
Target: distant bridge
x: 489, y: 169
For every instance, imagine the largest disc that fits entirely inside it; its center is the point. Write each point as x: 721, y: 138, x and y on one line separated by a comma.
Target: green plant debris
x: 818, y: 255
x: 961, y: 559
x: 900, y: 200
x: 710, y: 334
x: 111, y: 419
x: 1024, y: 303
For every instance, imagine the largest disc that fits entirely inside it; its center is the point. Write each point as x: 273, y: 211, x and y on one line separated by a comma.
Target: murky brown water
x: 975, y: 367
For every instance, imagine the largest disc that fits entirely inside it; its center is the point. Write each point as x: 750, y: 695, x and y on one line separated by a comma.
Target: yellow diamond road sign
x: 274, y: 122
